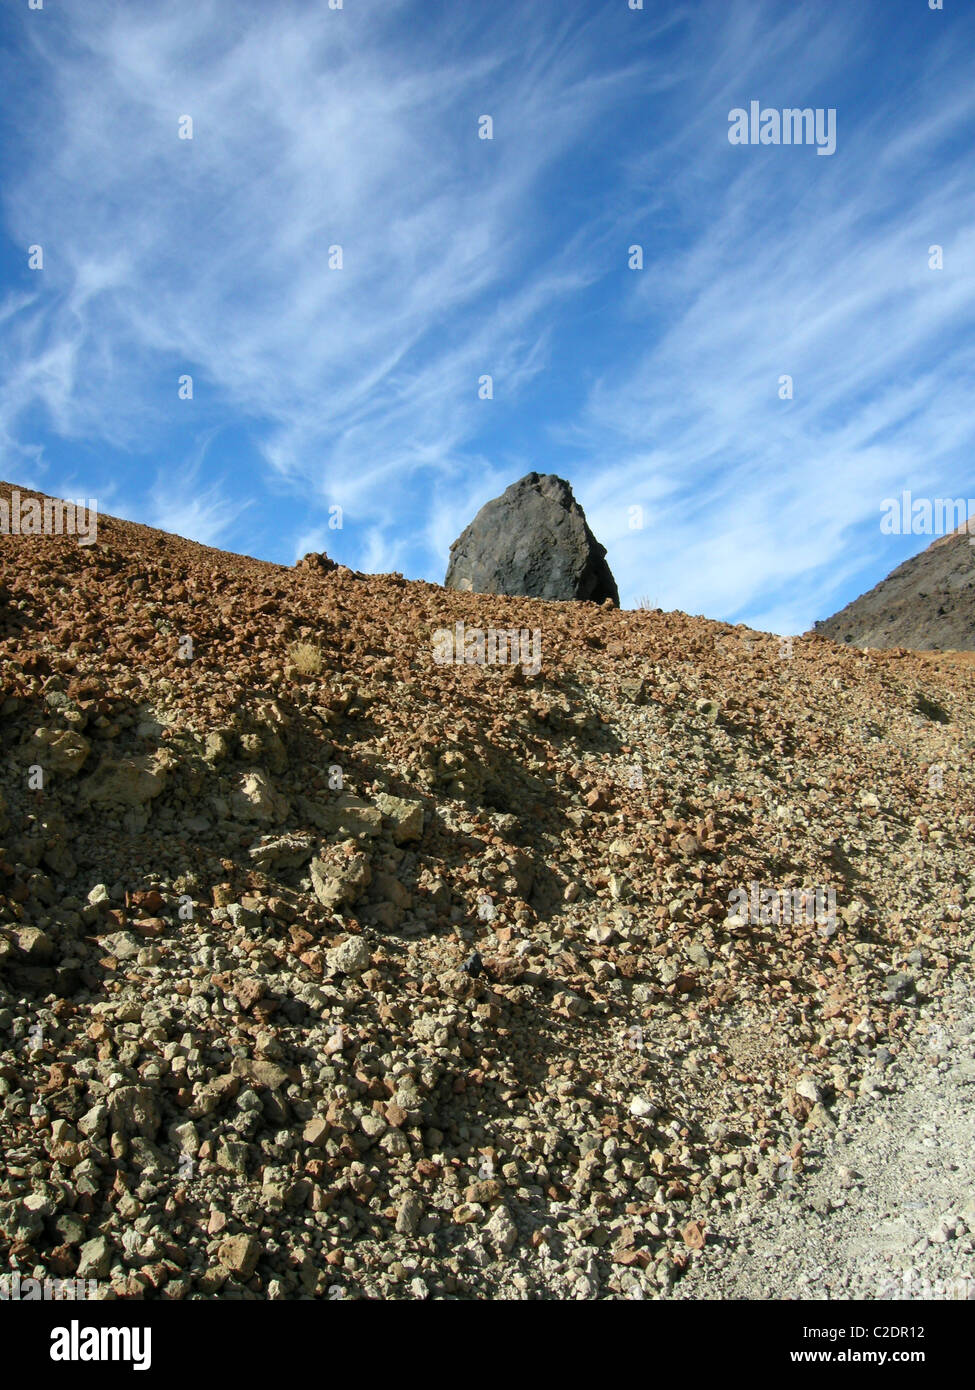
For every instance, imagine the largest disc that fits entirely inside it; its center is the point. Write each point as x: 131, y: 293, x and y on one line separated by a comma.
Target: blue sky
x: 358, y: 387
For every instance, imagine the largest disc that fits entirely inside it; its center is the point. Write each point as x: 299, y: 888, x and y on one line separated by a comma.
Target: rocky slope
x: 402, y: 979
x: 882, y: 1205
x: 927, y: 603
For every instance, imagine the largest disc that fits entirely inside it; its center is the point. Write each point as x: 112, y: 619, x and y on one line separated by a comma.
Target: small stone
x: 134, y: 1110
x: 694, y: 1236
x: 351, y: 958
x: 281, y: 910
x: 94, y: 1259
x: 484, y: 1191
x: 316, y: 1131
x: 502, y: 1230
x: 260, y: 1072
x: 409, y: 1215
x: 255, y: 799
x: 244, y: 918
x: 248, y: 992
x: 121, y: 944
x: 468, y: 1212
x: 643, y: 1109
x: 808, y: 1087
x: 374, y: 1126
x: 405, y: 817
x: 239, y: 1255
x: 34, y: 944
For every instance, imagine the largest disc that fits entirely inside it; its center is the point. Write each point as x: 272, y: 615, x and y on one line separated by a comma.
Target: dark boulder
x: 532, y: 542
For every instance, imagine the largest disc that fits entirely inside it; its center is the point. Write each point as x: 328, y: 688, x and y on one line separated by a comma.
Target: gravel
x: 886, y: 1206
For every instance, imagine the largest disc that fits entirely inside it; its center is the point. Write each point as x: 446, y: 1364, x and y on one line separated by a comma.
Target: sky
x: 658, y: 391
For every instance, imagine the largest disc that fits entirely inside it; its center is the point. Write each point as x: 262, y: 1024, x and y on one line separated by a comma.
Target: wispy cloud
x: 357, y: 386
x: 311, y: 129
x: 818, y: 271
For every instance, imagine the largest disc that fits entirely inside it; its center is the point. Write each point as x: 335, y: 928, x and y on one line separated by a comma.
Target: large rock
x: 239, y: 1255
x: 134, y: 1110
x: 255, y: 798
x: 282, y: 851
x: 125, y: 781
x: 351, y: 958
x: 95, y: 1259
x: 405, y: 817
x: 57, y: 751
x: 340, y: 879
x: 532, y: 541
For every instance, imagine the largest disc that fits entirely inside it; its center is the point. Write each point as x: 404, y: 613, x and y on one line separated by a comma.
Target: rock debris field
x: 329, y: 970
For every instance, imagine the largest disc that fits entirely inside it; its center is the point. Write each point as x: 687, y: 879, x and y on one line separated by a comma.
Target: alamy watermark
x: 49, y: 516
x: 927, y: 516
x: 475, y: 646
x: 762, y: 906
x: 77, y: 1343
x: 15, y: 1288
x: 791, y: 126
x: 913, y: 1286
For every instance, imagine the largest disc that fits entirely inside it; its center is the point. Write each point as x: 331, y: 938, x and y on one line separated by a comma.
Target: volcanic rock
x: 532, y: 541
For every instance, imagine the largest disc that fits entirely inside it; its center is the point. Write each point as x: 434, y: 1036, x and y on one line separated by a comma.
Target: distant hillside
x: 926, y: 604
